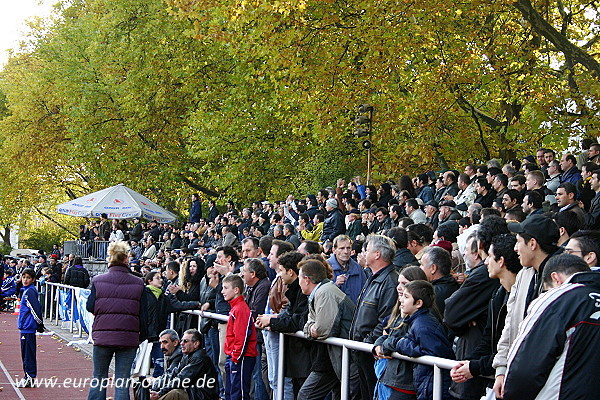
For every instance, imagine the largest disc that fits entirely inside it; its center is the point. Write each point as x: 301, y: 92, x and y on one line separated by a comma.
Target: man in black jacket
x: 194, y: 378
x: 466, y: 314
x: 334, y: 224
x: 376, y: 301
x: 290, y: 320
x: 170, y: 346
x: 403, y: 256
x: 437, y: 265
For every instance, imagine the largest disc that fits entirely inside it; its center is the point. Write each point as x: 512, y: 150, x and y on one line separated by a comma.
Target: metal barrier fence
x: 94, y: 249
x: 436, y: 362
x: 52, y: 311
x: 52, y: 305
x: 86, y: 249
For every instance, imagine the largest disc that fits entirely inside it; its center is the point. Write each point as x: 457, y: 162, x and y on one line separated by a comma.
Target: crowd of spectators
x: 488, y: 240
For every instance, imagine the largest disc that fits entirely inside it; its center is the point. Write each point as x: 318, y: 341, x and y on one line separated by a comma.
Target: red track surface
x: 54, y: 360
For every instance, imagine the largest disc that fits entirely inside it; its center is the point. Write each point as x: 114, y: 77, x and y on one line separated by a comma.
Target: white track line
x: 10, y: 380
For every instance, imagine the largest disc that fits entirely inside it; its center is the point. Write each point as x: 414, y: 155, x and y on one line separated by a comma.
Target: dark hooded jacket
x: 77, y: 276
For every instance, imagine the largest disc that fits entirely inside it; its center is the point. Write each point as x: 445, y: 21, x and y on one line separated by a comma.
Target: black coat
x: 481, y: 358
x: 292, y: 319
x: 192, y: 368
x: 470, y: 303
x: 374, y: 304
x: 444, y: 287
x: 403, y: 257
x: 159, y: 310
x: 333, y: 226
x: 77, y: 276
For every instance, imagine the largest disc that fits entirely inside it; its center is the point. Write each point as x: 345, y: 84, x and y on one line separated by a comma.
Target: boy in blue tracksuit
x: 30, y: 321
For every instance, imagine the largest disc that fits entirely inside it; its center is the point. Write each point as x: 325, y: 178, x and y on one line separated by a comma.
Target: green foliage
x: 255, y: 99
x: 43, y: 237
x: 5, y: 248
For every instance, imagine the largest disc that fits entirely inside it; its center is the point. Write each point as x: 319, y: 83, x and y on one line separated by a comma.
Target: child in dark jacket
x: 426, y: 336
x: 29, y: 321
x: 395, y: 376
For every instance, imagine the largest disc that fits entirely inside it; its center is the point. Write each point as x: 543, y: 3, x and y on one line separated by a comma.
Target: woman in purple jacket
x: 119, y: 309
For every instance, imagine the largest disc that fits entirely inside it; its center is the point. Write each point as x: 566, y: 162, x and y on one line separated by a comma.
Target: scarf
x: 155, y: 291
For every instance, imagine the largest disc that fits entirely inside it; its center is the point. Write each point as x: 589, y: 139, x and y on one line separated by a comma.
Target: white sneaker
x: 25, y: 383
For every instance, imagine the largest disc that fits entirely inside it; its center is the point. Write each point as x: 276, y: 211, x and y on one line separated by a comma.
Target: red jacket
x: 241, y: 334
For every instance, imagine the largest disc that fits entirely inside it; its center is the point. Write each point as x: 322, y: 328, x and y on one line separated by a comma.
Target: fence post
x: 72, y: 309
x: 437, y: 383
x: 280, y: 368
x: 57, y: 304
x: 345, y: 372
x: 48, y: 289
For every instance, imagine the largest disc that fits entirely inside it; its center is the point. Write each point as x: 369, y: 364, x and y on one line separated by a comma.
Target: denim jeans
x: 102, y: 357
x: 158, y: 360
x: 271, y: 347
x: 260, y: 391
x: 211, y: 344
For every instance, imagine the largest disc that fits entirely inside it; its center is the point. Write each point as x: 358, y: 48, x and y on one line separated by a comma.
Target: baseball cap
x: 541, y: 228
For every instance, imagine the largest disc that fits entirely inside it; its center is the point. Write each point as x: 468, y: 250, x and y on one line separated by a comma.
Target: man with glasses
x: 194, y: 378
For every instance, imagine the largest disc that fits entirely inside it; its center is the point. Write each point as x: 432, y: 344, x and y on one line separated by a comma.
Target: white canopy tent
x: 118, y: 202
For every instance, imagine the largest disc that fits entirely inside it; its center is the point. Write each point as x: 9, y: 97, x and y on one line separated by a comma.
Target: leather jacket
x: 375, y: 303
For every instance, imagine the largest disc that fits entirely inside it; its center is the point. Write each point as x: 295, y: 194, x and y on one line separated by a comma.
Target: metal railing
x: 436, y: 362
x: 51, y: 310
x: 86, y: 249
x: 94, y: 249
x: 52, y: 306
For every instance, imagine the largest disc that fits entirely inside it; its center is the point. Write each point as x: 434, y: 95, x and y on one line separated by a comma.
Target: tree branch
x: 204, y: 190
x: 56, y: 222
x: 541, y: 26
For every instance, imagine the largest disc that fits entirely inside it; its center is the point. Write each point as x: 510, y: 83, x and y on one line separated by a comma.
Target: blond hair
x: 118, y: 252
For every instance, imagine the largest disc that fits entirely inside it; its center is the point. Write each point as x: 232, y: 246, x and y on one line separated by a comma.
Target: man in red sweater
x: 240, y: 341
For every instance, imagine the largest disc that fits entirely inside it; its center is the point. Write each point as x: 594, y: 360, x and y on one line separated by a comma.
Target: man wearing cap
x: 431, y: 212
x: 447, y: 212
x: 536, y: 243
x: 334, y: 223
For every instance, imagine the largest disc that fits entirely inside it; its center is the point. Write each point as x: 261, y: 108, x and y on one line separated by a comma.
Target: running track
x: 54, y: 361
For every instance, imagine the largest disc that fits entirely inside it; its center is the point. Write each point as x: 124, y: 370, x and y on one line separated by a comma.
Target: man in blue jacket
x: 348, y: 275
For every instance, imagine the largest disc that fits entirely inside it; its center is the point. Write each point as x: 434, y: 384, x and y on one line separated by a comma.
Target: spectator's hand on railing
x: 460, y: 373
x: 263, y: 320
x: 379, y: 353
